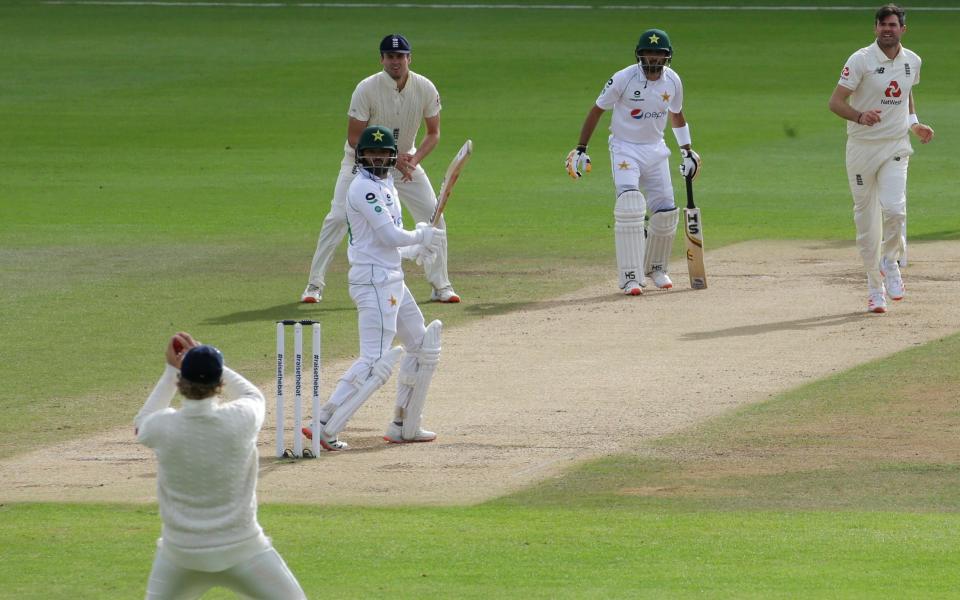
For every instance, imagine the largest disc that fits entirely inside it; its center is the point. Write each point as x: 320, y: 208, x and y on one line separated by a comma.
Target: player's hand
x: 869, y: 118
x: 405, y: 167
x: 431, y: 238
x: 410, y: 252
x: 690, y: 163
x: 924, y: 132
x: 578, y: 162
x: 178, y: 346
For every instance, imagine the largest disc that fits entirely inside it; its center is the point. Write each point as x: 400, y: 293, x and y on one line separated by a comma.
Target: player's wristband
x: 682, y: 134
x: 914, y: 120
x: 581, y: 147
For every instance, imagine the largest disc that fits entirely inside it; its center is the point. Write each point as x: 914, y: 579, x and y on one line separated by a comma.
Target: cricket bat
x: 694, y: 232
x: 450, y: 179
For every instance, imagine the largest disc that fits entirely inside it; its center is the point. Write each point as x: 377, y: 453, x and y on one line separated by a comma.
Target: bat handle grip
x: 689, y: 182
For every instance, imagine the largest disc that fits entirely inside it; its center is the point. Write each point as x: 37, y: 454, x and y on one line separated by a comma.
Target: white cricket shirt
x: 881, y: 83
x: 377, y: 101
x: 640, y: 106
x: 372, y: 203
x: 207, y: 465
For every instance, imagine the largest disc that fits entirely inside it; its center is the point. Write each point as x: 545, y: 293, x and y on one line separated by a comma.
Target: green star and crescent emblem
x: 654, y: 39
x: 378, y: 136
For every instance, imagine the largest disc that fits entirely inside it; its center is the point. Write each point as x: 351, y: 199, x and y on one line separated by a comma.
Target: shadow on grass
x: 291, y: 310
x: 795, y: 325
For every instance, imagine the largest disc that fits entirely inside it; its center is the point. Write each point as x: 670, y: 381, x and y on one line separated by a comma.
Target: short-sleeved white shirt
x: 881, y: 83
x: 372, y: 203
x: 377, y: 101
x: 640, y: 106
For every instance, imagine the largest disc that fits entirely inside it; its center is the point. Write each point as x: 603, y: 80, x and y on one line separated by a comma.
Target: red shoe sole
x: 635, y: 292
x: 308, y: 300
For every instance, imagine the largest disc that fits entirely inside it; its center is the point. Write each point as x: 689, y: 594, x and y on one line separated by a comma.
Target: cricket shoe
x: 394, y: 435
x: 312, y: 294
x: 330, y: 444
x: 876, y: 302
x: 891, y: 279
x: 661, y: 280
x: 633, y: 289
x: 445, y: 295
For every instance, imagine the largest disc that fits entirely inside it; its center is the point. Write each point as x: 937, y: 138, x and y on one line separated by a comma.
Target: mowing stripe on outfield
x: 473, y: 6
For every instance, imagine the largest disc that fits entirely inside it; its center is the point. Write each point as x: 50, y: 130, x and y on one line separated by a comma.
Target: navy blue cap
x: 202, y: 364
x: 395, y: 43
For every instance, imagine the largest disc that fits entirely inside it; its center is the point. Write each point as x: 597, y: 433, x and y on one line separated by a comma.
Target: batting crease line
x: 475, y: 6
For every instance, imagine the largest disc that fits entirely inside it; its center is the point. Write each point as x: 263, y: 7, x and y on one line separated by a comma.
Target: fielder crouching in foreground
x: 385, y: 307
x: 641, y: 97
x: 207, y: 465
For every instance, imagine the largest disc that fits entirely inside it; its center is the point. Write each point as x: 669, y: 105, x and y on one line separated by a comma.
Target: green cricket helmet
x: 654, y: 51
x: 376, y: 138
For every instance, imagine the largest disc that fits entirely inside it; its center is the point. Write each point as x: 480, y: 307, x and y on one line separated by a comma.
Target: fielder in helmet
x: 385, y: 307
x: 644, y: 97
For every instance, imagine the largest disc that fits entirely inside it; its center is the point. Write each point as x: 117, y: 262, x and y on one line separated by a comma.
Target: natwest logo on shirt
x: 845, y: 72
x: 893, y: 90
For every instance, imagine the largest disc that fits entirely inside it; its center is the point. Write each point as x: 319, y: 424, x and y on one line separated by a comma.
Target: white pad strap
x: 660, y: 234
x: 628, y: 215
x: 379, y: 374
x: 427, y: 359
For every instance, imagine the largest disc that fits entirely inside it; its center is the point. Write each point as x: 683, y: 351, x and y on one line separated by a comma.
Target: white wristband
x: 682, y: 134
x: 913, y: 119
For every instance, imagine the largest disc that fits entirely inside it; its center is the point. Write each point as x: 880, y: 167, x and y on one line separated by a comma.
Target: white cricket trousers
x: 417, y: 195
x: 877, y: 174
x: 644, y: 167
x: 263, y: 577
x: 385, y: 310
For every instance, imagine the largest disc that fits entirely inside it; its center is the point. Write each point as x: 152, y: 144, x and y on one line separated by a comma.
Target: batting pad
x: 628, y: 215
x: 662, y: 230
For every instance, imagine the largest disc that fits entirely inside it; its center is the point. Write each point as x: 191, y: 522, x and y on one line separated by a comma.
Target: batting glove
x: 578, y: 162
x: 690, y: 165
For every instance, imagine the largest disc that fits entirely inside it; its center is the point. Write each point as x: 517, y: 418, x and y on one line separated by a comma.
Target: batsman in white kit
x: 385, y: 307
x: 207, y: 464
x: 642, y: 97
x: 875, y: 96
x: 400, y: 100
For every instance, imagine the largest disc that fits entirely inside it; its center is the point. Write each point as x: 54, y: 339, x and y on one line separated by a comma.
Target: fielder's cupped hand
x: 178, y: 346
x: 690, y: 163
x: 578, y: 162
x: 405, y: 167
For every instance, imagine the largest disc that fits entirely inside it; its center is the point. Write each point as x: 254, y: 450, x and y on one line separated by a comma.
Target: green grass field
x: 168, y: 167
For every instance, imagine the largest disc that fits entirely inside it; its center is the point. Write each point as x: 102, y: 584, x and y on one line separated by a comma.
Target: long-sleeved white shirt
x: 207, y: 463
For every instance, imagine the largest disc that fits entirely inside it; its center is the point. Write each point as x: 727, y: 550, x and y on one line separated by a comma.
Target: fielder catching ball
x: 207, y: 464
x: 641, y: 97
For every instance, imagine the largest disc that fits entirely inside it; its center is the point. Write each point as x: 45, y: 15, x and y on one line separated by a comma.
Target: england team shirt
x: 640, y: 106
x: 884, y: 84
x: 377, y: 101
x: 372, y: 203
